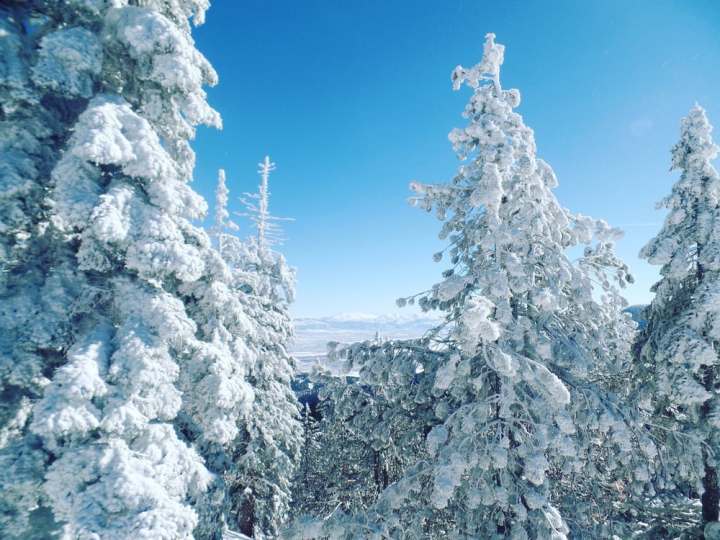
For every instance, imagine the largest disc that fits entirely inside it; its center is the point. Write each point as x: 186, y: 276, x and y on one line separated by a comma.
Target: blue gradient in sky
x: 353, y: 100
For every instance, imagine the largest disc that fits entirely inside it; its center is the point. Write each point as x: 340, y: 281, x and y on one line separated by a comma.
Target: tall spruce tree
x: 511, y: 389
x: 308, y: 477
x: 259, y: 478
x: 678, y: 354
x: 37, y: 286
x: 122, y: 343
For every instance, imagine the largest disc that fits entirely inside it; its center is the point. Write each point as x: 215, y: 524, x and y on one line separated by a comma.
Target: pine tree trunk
x: 246, y: 514
x: 711, y: 495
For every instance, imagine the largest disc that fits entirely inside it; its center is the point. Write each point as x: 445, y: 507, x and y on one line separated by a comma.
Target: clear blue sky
x: 353, y: 100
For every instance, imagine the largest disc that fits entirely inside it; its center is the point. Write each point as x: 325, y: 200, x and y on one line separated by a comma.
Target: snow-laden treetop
x: 690, y: 235
x: 508, y: 233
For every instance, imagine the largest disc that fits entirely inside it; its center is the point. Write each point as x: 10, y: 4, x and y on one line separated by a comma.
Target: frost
x: 437, y: 437
x: 503, y: 363
x: 534, y: 469
x: 451, y: 287
x: 551, y: 384
x: 565, y: 423
x: 488, y: 68
x: 476, y: 323
x: 446, y: 479
x: 144, y: 363
x: 560, y: 530
x: 69, y: 62
x: 67, y: 410
x: 446, y: 373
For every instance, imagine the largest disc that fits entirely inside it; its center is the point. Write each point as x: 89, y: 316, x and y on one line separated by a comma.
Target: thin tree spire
x: 257, y: 205
x: 222, y: 222
x: 263, y: 214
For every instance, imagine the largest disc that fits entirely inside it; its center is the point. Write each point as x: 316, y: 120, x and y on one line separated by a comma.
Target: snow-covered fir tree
x: 37, y: 292
x: 132, y: 359
x: 347, y: 465
x: 514, y: 390
x: 223, y: 225
x: 308, y: 476
x: 260, y: 474
x: 678, y: 356
x: 257, y: 209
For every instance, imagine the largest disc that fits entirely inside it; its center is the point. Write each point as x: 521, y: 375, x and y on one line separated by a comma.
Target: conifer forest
x: 148, y: 388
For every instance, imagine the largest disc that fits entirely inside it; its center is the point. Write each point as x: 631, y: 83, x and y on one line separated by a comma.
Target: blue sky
x: 353, y: 100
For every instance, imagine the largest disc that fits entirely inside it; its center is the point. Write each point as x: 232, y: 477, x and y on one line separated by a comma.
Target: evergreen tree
x: 260, y: 474
x: 678, y: 350
x: 510, y: 390
x: 308, y: 476
x: 36, y: 286
x: 135, y: 358
x: 223, y: 224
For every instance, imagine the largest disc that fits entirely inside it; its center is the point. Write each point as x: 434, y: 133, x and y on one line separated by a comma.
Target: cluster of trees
x: 145, y: 382
x: 144, y: 375
x: 537, y: 408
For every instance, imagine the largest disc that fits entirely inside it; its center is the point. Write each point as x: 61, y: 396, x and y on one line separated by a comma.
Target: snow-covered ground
x: 313, y: 334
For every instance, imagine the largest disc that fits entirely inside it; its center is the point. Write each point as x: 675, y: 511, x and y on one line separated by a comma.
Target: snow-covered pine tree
x: 507, y: 389
x: 257, y: 209
x: 260, y: 475
x: 222, y: 224
x: 37, y: 291
x: 137, y: 346
x: 305, y: 493
x: 678, y: 354
x: 351, y: 465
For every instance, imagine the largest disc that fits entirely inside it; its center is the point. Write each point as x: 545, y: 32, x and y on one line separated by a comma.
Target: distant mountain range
x: 313, y: 334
